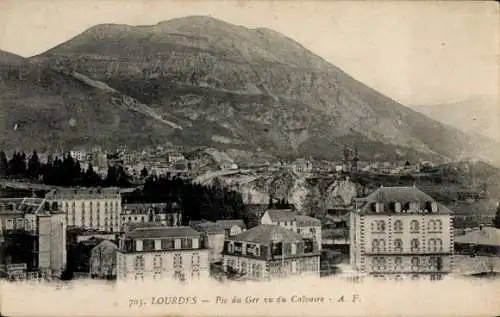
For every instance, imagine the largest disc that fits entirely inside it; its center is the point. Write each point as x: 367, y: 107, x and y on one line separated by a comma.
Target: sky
x: 422, y: 52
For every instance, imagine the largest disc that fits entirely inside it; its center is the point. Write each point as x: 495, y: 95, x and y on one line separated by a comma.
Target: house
x: 33, y: 233
x: 168, y: 214
x: 170, y: 253
x: 268, y: 252
x: 232, y: 227
x: 401, y: 232
x: 213, y: 238
x: 307, y: 227
x: 103, y: 260
x: 302, y: 166
x: 174, y: 157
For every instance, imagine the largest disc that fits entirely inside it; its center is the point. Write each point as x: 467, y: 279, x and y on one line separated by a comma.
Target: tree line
x: 208, y: 202
x: 65, y: 171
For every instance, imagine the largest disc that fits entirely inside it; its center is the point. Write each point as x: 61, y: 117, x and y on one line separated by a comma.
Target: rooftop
x: 487, y: 236
x: 401, y: 194
x: 77, y: 191
x: 209, y: 227
x: 279, y: 215
x: 264, y: 234
x: 227, y: 224
x: 162, y: 232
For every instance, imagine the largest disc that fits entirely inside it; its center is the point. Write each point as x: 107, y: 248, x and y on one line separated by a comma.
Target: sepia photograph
x: 249, y: 158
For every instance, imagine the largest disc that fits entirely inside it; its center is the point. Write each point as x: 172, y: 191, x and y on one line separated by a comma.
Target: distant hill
x: 475, y: 115
x: 198, y: 81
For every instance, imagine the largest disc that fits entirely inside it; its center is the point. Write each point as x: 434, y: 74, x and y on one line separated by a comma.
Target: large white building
x: 269, y: 252
x: 307, y: 227
x: 175, y: 253
x: 401, y: 232
x: 90, y: 208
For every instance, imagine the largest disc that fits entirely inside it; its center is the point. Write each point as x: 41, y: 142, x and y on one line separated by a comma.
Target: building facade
x: 307, y: 227
x: 90, y: 208
x: 168, y: 214
x: 174, y: 253
x: 103, y: 260
x: 33, y: 235
x: 401, y: 232
x: 213, y: 237
x: 269, y: 252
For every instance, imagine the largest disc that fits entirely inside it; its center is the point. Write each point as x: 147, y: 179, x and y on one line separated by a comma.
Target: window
x: 398, y: 245
x: 414, y: 226
x: 379, y: 264
x: 177, y: 244
x: 436, y: 245
x: 398, y: 264
x: 398, y: 226
x: 378, y: 226
x: 415, y: 264
x: 148, y: 245
x: 435, y: 225
x: 10, y: 224
x: 378, y: 245
x: 415, y: 245
x: 20, y: 223
x: 139, y: 263
x: 294, y: 249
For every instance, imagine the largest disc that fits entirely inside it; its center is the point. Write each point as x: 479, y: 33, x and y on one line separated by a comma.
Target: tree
x: 4, y: 164
x: 34, y: 166
x: 496, y: 220
x: 90, y: 177
x: 144, y: 172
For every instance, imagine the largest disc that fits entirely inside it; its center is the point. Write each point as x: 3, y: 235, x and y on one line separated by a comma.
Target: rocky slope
x: 251, y: 90
x: 45, y: 108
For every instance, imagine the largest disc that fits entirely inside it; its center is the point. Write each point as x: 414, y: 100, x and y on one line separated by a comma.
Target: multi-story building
x: 33, y: 235
x: 213, y: 238
x: 90, y: 208
x: 168, y: 214
x: 269, y: 252
x: 162, y: 253
x: 401, y: 232
x: 307, y: 227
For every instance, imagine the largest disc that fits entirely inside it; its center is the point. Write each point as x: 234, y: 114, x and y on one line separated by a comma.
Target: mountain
x: 474, y: 115
x: 203, y: 82
x: 44, y: 108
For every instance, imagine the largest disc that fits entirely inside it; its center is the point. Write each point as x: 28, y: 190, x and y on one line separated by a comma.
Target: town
x: 172, y: 214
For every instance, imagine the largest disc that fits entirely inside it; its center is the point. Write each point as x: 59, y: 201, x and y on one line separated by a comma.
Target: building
x: 103, y: 260
x: 269, y: 252
x: 213, y: 238
x: 307, y: 227
x: 232, y: 227
x: 168, y: 214
x: 33, y: 234
x: 401, y: 232
x: 79, y: 155
x: 90, y: 208
x: 302, y: 166
x: 174, y: 156
x: 175, y: 253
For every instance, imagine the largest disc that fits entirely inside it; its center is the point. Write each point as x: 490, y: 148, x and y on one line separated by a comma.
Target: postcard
x: 249, y: 158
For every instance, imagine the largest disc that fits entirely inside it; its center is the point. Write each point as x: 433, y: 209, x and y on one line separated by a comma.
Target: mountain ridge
x: 256, y: 86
